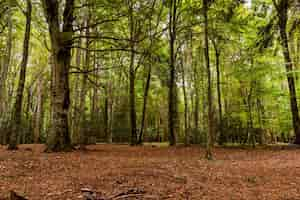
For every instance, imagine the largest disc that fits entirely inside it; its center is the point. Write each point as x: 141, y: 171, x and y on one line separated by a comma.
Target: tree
x: 282, y: 7
x: 61, y: 44
x: 209, y: 85
x: 217, y: 57
x: 84, y: 89
x: 17, y: 114
x: 132, y: 106
x: 172, y: 118
x: 5, y: 69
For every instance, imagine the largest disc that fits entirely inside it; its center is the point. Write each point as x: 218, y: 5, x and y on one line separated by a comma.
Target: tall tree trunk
x: 111, y: 113
x: 132, y: 105
x: 38, y: 121
x: 146, y: 92
x: 106, y: 117
x: 82, y: 104
x: 197, y: 80
x: 186, y: 109
x: 261, y: 120
x: 61, y: 44
x: 132, y: 108
x: 251, y: 136
x: 209, y: 155
x: 172, y: 79
x: 282, y: 12
x: 28, y: 115
x: 17, y: 114
x: 3, y: 75
x: 76, y: 101
x: 108, y: 108
x: 222, y: 138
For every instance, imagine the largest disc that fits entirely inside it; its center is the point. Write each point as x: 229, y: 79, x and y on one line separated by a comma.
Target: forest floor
x: 123, y: 172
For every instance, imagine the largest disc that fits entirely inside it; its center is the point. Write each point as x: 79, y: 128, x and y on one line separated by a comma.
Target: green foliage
x: 253, y: 79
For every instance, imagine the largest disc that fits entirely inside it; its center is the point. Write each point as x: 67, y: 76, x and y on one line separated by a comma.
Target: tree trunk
x: 282, y: 12
x: 186, y: 110
x: 75, y: 114
x: 111, y: 113
x: 3, y: 75
x: 38, y: 121
x: 197, y: 93
x: 108, y: 109
x: 172, y: 78
x: 17, y: 114
x: 251, y: 134
x: 222, y: 138
x: 83, y: 93
x: 261, y: 120
x: 146, y: 92
x: 29, y: 117
x: 61, y: 43
x: 132, y: 108
x: 106, y: 117
x: 209, y: 155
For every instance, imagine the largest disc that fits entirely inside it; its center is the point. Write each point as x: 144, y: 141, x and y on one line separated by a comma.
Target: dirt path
x: 122, y: 172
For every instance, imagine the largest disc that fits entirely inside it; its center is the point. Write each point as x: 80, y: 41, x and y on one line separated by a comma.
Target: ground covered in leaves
x: 123, y: 172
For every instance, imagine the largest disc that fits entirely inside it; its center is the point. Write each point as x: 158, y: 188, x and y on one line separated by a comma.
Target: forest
x: 155, y: 99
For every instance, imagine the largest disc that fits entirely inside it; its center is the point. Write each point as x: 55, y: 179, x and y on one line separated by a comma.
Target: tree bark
x: 209, y: 155
x: 83, y: 93
x: 197, y: 81
x: 132, y: 106
x: 38, y: 121
x: 106, y: 117
x: 172, y: 79
x: 17, y: 114
x: 186, y: 109
x: 61, y: 43
x: 282, y: 12
x: 146, y: 92
x: 3, y: 75
x: 75, y: 114
x: 222, y: 138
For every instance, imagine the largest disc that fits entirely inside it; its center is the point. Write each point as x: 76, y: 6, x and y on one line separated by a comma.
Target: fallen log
x: 14, y: 196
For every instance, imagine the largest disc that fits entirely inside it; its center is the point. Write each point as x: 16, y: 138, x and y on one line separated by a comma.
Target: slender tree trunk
x: 75, y: 114
x: 83, y: 93
x: 38, y: 121
x: 3, y: 75
x: 146, y: 92
x: 110, y: 113
x: 209, y: 155
x: 197, y: 94
x: 261, y: 120
x: 186, y: 109
x: 172, y: 78
x: 132, y: 108
x: 108, y: 107
x: 133, y: 130
x: 251, y: 136
x: 222, y: 138
x: 196, y: 111
x: 17, y: 114
x: 61, y: 43
x: 29, y: 117
x: 282, y: 12
x: 106, y: 117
